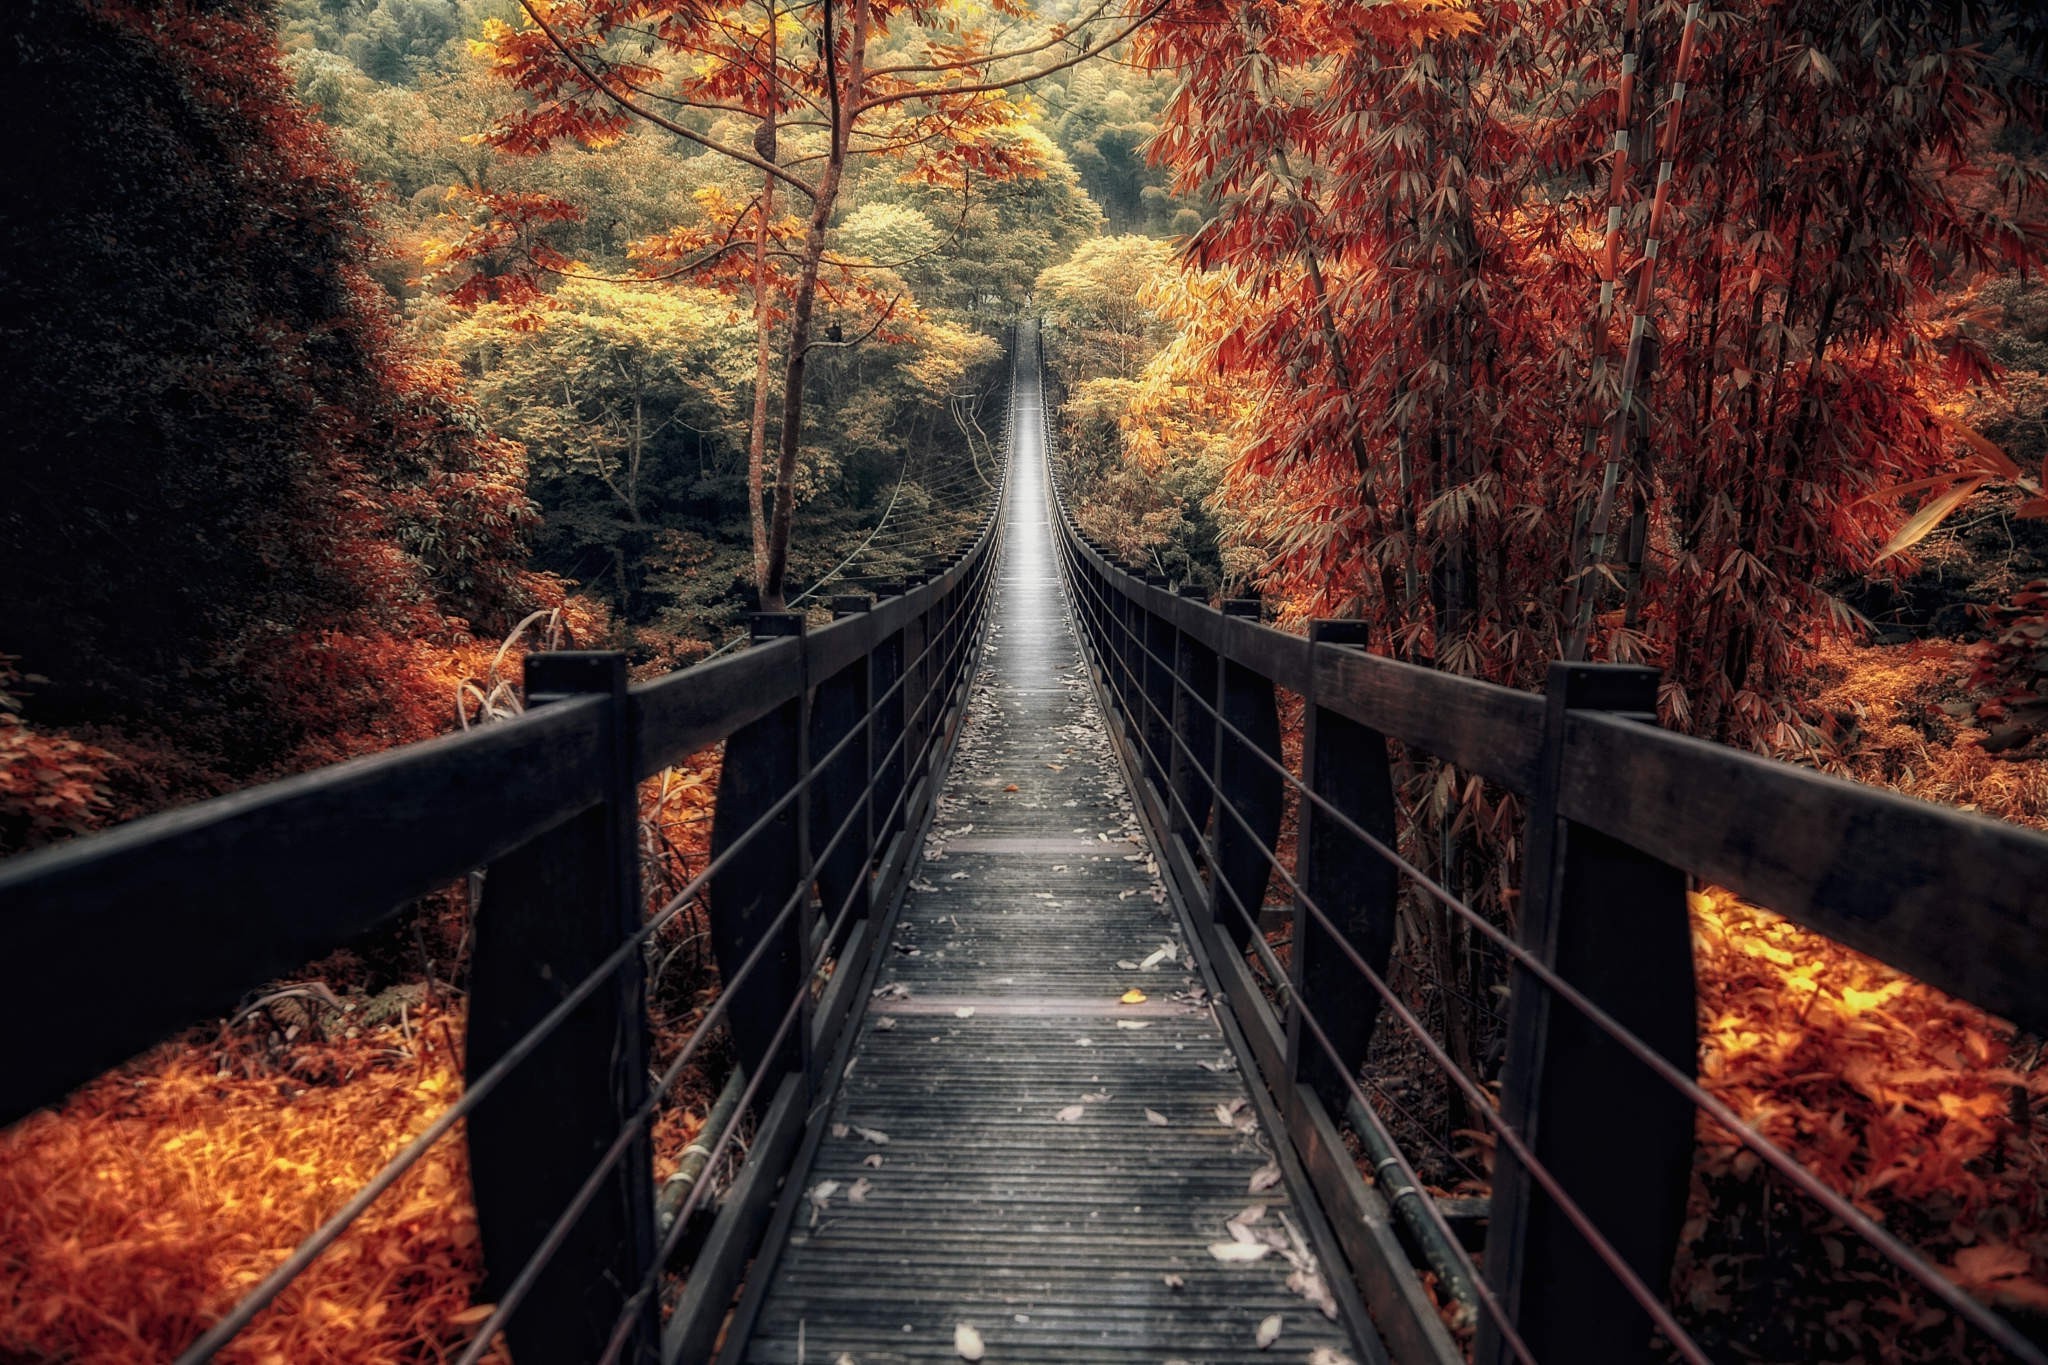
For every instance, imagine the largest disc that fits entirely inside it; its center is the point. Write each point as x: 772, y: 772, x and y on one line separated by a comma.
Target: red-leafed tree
x: 1565, y: 328
x: 795, y: 96
x: 1593, y: 321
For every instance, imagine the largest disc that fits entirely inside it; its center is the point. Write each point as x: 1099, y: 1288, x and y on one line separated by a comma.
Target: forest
x: 362, y: 349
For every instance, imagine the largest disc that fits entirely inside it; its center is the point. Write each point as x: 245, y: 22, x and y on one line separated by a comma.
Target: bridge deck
x: 1012, y: 1147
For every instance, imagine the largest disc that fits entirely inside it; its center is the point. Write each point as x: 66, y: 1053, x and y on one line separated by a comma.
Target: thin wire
x: 631, y: 1129
x: 1285, y: 983
x: 1897, y: 1251
x: 246, y: 1309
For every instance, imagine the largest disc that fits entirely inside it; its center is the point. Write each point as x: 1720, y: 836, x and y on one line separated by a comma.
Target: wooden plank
x: 1344, y: 763
x: 1280, y: 658
x: 676, y: 716
x: 693, y: 1329
x: 1953, y: 898
x: 764, y: 760
x: 838, y: 998
x: 1403, y: 1312
x: 1612, y: 921
x: 181, y: 913
x: 1495, y: 732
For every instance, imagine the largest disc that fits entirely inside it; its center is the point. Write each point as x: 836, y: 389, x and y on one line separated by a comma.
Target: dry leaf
x: 1132, y: 1024
x: 820, y: 1195
x: 1172, y: 1281
x: 1012, y: 787
x: 874, y: 1135
x: 886, y: 1022
x: 1155, y: 1118
x: 1133, y: 996
x: 1268, y: 1333
x: 1264, y: 1178
x: 964, y: 1012
x: 1992, y: 1261
x: 840, y: 1130
x: 1072, y: 1113
x: 1239, y: 1251
x: 966, y: 1340
x: 1328, y: 1355
x: 857, y: 1192
x: 872, y: 1160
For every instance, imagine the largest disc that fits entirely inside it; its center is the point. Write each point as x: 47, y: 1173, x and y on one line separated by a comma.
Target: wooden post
x: 1345, y: 763
x: 1194, y: 691
x: 1155, y: 707
x: 839, y: 787
x: 885, y: 727
x: 1611, y: 921
x: 1248, y: 785
x: 763, y: 761
x: 1131, y: 669
x: 553, y: 910
x: 916, y: 721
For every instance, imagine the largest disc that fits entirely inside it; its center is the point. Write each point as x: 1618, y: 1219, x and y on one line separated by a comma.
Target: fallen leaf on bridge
x: 1264, y: 1178
x: 1133, y: 996
x: 1268, y: 1333
x: 1072, y: 1113
x: 1239, y: 1251
x: 1155, y: 1118
x: 966, y: 1340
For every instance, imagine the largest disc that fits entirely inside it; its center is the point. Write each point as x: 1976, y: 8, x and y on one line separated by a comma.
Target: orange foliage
x: 1922, y: 1110
x: 133, y: 1216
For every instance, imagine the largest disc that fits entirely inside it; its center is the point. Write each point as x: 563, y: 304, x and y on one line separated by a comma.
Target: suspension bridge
x: 1051, y: 966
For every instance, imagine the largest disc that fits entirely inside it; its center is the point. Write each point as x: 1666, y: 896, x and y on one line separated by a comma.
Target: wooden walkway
x: 1042, y: 1130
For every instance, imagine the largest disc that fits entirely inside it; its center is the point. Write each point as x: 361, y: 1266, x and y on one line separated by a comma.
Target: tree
x: 796, y: 93
x: 610, y: 391
x: 241, y: 516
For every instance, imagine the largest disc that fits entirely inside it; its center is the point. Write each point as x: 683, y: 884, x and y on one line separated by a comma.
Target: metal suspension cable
x: 558, y: 1233
x: 1453, y: 1254
x: 310, y: 1249
x: 1930, y: 1278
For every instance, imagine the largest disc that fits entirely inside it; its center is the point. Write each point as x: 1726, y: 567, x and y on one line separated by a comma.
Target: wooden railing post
x: 1248, y: 785
x: 1155, y: 707
x: 1344, y: 763
x: 916, y: 712
x: 763, y: 761
x: 1131, y: 671
x: 839, y: 788
x: 1194, y: 729
x: 1611, y: 921
x: 552, y: 911
x: 885, y: 727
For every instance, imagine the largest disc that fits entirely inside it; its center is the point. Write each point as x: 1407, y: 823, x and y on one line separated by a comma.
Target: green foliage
x: 1144, y: 452
x: 1104, y: 118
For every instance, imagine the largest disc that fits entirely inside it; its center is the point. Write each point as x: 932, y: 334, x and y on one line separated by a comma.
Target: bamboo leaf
x: 1923, y: 522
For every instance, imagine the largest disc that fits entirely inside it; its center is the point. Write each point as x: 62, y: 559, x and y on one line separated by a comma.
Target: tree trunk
x: 847, y: 94
x: 757, y: 436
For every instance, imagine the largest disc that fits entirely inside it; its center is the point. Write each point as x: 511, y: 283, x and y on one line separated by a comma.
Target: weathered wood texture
x: 998, y: 1013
